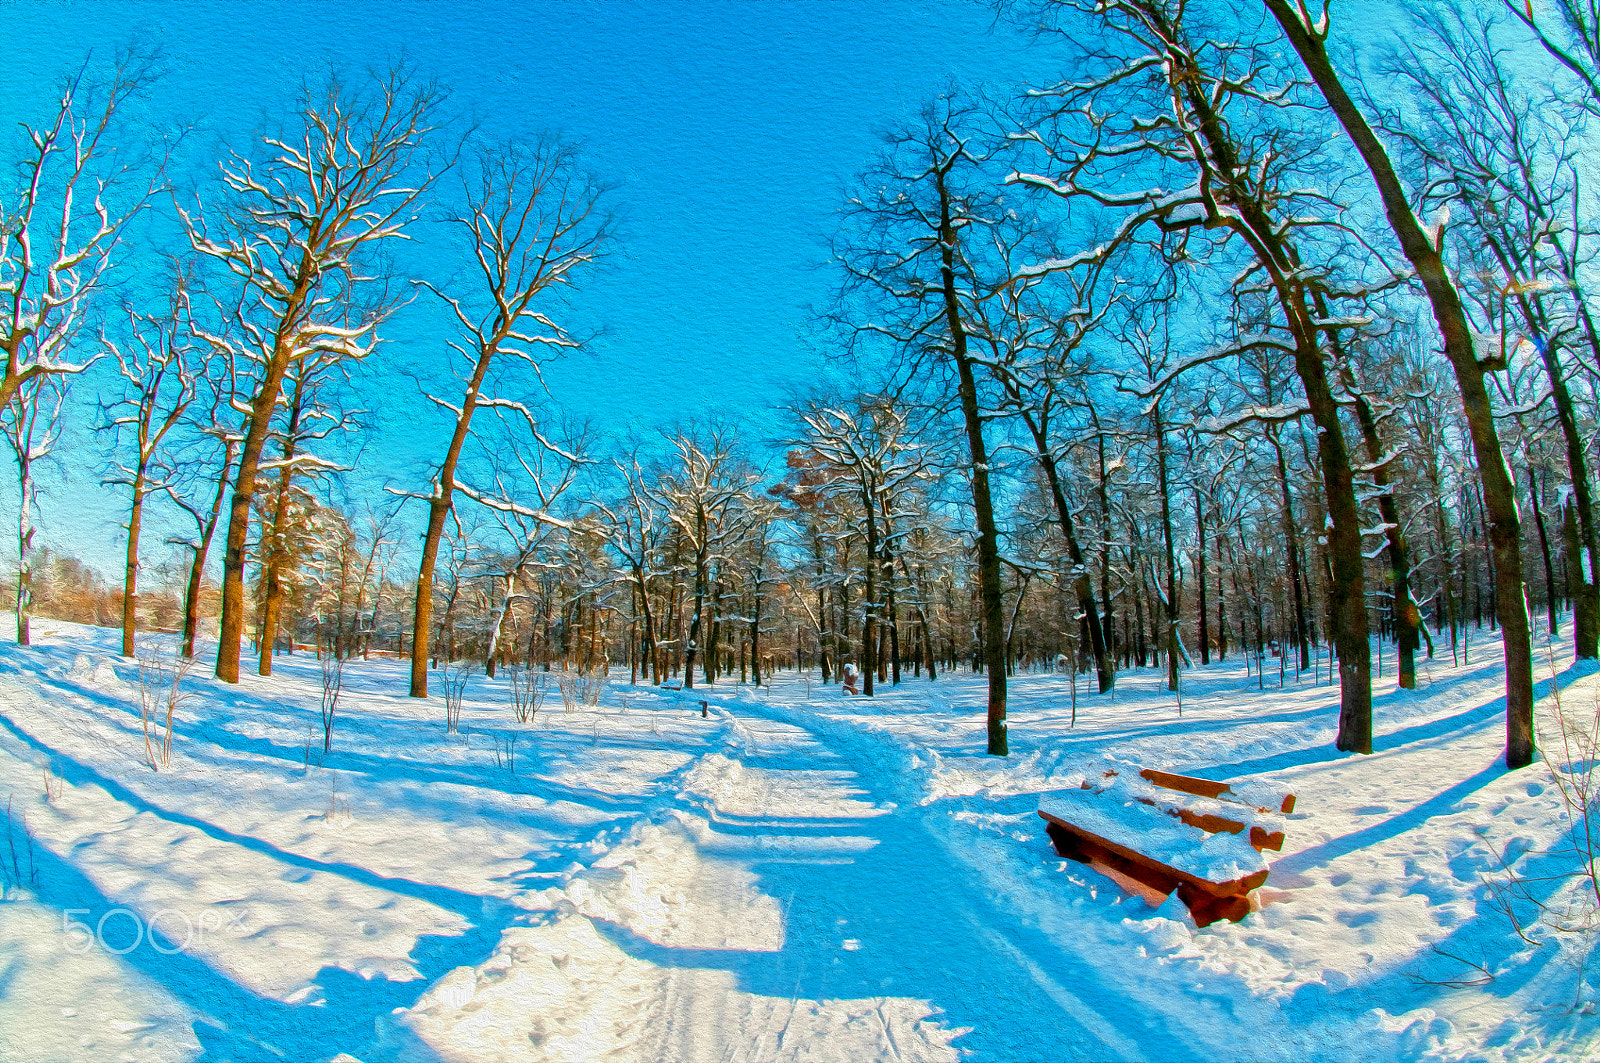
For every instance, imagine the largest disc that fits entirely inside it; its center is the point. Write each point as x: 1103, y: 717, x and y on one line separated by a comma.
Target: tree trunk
x: 1265, y: 233
x: 1586, y: 604
x: 893, y: 630
x: 231, y: 636
x: 649, y: 647
x: 1105, y: 670
x: 24, y: 545
x: 1200, y: 575
x: 869, y: 618
x: 1222, y: 598
x: 755, y: 633
x: 824, y: 636
x: 1171, y: 603
x: 1572, y: 539
x: 1550, y: 592
x: 1499, y: 491
x: 983, y: 504
x: 439, y: 508
x: 191, y: 597
x: 1408, y: 617
x: 496, y: 622
x: 699, y: 598
x: 130, y: 579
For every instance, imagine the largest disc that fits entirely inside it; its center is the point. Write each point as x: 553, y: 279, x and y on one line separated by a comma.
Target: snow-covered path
x: 782, y: 907
x: 877, y: 908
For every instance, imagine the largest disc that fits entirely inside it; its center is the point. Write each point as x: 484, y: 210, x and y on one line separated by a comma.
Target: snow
x: 797, y: 876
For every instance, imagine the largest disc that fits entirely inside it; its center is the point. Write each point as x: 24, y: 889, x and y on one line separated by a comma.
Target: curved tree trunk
x: 438, y: 509
x: 1499, y: 493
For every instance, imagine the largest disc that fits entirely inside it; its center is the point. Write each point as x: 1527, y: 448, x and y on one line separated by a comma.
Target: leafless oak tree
x: 531, y: 218
x: 158, y: 366
x: 60, y: 229
x: 1308, y: 34
x: 294, y: 231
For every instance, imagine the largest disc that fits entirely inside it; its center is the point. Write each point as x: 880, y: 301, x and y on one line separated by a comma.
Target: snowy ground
x: 796, y: 876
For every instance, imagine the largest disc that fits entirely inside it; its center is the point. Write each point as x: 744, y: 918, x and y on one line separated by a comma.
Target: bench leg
x: 1207, y: 908
x: 1067, y: 844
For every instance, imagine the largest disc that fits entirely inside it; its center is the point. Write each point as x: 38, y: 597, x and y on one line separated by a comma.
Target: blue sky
x: 728, y: 128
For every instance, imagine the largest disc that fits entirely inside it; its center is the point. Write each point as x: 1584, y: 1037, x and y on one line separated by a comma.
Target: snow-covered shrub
x: 580, y: 688
x: 455, y: 688
x: 161, y: 676
x: 332, y: 684
x: 528, y: 689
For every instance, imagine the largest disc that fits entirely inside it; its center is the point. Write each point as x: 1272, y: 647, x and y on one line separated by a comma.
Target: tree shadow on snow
x: 237, y: 1025
x: 1429, y: 730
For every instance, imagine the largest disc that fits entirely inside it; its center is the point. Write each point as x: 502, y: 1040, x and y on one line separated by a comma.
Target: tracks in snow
x: 891, y: 947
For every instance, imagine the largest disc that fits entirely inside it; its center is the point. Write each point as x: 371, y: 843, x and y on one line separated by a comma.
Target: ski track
x: 905, y: 899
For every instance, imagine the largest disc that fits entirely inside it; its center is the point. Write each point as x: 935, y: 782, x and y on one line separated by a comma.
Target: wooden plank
x: 1156, y: 868
x: 1211, y: 824
x: 1189, y: 784
x: 1152, y: 886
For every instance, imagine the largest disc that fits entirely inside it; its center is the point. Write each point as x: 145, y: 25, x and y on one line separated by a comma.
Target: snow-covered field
x: 796, y: 876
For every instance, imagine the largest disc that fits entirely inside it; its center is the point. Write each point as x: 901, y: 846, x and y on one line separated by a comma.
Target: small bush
x: 161, y: 677
x: 454, y: 685
x: 528, y: 689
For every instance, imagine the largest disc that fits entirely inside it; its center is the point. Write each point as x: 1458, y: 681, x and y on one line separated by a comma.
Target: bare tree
x: 59, y: 233
x: 295, y: 231
x: 531, y: 220
x: 907, y: 252
x: 633, y: 527
x: 701, y: 495
x: 198, y: 485
x: 530, y: 475
x: 870, y: 445
x: 1168, y: 103
x: 158, y: 367
x: 1509, y: 162
x: 32, y: 426
x: 1033, y: 350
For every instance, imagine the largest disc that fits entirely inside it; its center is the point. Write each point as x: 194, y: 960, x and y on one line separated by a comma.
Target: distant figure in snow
x: 851, y: 676
x: 1062, y: 665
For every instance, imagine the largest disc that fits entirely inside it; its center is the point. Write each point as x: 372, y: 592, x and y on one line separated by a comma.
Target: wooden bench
x: 1155, y: 832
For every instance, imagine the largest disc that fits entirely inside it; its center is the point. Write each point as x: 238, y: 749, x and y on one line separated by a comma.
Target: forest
x: 1225, y: 344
